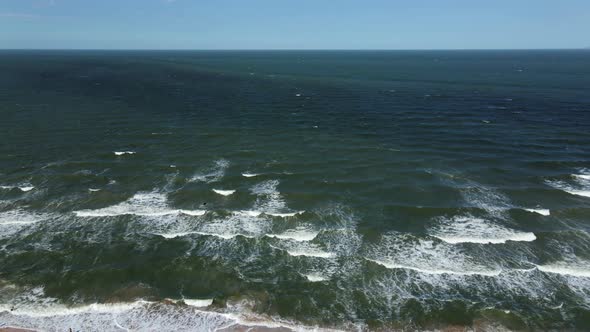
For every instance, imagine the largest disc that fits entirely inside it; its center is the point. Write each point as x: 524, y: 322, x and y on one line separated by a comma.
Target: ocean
x: 294, y: 190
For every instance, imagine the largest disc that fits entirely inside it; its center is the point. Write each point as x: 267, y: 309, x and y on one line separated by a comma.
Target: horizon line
x: 293, y: 49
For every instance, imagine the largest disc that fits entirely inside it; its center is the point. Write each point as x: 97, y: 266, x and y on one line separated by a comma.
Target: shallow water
x: 294, y: 189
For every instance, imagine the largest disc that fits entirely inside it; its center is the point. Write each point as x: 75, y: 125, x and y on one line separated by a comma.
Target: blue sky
x: 294, y: 24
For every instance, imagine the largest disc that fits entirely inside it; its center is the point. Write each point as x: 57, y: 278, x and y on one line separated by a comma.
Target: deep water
x: 340, y: 189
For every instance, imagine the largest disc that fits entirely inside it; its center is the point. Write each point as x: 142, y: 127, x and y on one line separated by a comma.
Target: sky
x: 294, y: 24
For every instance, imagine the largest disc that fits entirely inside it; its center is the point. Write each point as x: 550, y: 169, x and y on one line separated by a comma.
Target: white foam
x: 585, y: 193
x: 299, y: 234
x: 315, y: 277
x: 269, y: 198
x: 23, y: 188
x: 493, y: 202
x: 468, y: 229
x: 121, y: 153
x: 544, y: 212
x: 141, y: 204
x: 249, y: 175
x: 183, y: 234
x: 61, y: 310
x: 175, y: 235
x: 284, y: 215
x: 310, y: 253
x: 565, y: 268
x: 224, y: 192
x: 405, y: 251
x: 582, y: 188
x: 392, y: 265
x: 247, y: 224
x: 583, y: 177
x: 47, y: 314
x: 20, y: 217
x: 212, y: 174
x: 199, y: 303
x: 249, y: 213
x: 193, y: 212
x: 93, y: 190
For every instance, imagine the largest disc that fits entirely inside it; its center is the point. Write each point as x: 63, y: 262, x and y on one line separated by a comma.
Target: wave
x: 212, y: 174
x: 405, y: 251
x: 152, y: 204
x: 304, y: 251
x: 310, y: 253
x: 566, y: 268
x: 93, y: 190
x: 468, y: 229
x: 23, y: 188
x: 544, y: 212
x: 199, y: 303
x: 299, y: 234
x: 103, y: 213
x: 140, y: 316
x: 249, y: 175
x: 315, y: 277
x: 270, y: 201
x: 20, y: 217
x: 581, y: 187
x: 219, y: 235
x: 249, y: 213
x: 582, y: 177
x: 392, y: 265
x: 223, y: 192
x: 121, y: 153
x: 286, y: 214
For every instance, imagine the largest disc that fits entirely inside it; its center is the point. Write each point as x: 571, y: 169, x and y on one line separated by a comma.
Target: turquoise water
x: 372, y: 190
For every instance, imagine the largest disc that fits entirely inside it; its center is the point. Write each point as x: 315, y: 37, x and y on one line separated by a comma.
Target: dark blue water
x: 374, y: 190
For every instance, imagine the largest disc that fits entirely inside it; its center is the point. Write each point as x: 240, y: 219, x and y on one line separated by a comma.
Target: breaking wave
x: 141, y: 204
x: 468, y: 229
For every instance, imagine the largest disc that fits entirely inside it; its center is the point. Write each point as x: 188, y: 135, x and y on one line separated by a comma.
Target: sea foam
x: 468, y: 229
x: 141, y: 204
x: 223, y: 192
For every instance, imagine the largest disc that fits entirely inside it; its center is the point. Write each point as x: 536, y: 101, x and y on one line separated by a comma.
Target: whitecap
x: 212, y: 174
x: 544, y: 212
x: 174, y: 235
x: 405, y: 251
x: 249, y: 213
x: 93, y: 190
x: 193, y: 212
x: 148, y: 204
x: 23, y: 188
x: 393, y: 265
x: 581, y: 188
x: 199, y: 303
x: 249, y: 175
x: 286, y: 214
x: 121, y: 153
x: 315, y: 277
x: 582, y: 177
x: 299, y: 234
x: 183, y: 234
x: 311, y: 253
x: 269, y: 198
x: 26, y: 188
x: 224, y: 192
x: 468, y: 229
x: 20, y: 217
x: 567, y: 268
